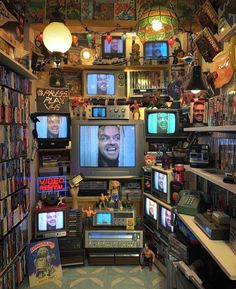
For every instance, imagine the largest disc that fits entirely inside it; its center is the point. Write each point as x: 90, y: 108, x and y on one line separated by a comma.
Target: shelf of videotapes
x: 15, y: 273
x: 12, y: 244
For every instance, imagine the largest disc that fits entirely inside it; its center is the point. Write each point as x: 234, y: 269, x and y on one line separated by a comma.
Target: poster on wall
x: 103, y: 10
x: 124, y: 10
x: 52, y: 100
x: 53, y: 7
x: 35, y: 12
x: 43, y: 262
x: 86, y: 9
x: 73, y: 9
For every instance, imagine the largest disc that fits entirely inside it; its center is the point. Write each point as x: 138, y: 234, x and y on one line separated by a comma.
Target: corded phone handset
x: 192, y: 202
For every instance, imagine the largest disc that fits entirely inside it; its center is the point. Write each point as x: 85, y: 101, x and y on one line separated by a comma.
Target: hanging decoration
x: 158, y: 23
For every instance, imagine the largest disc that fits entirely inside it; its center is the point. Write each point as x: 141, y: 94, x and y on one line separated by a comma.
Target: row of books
x: 14, y: 141
x: 14, y: 106
x: 13, y: 209
x: 14, y: 81
x: 14, y: 175
x: 222, y: 110
x: 13, y: 243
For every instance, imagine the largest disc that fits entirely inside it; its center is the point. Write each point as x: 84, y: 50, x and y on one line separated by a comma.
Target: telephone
x: 75, y: 180
x: 193, y: 202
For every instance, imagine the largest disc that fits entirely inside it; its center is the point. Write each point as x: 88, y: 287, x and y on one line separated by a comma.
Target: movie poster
x: 43, y: 262
x: 124, y: 10
x: 142, y: 6
x: 103, y: 10
x: 52, y: 7
x: 207, y: 17
x: 35, y: 12
x: 86, y: 9
x: 73, y: 9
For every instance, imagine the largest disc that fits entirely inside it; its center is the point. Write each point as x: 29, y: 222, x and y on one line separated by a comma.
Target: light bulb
x: 195, y: 91
x: 157, y: 25
x: 86, y: 54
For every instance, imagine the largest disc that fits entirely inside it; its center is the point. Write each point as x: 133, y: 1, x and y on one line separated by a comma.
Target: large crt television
x: 104, y: 84
x: 107, y: 148
x: 114, y: 48
x: 154, y: 50
x: 162, y: 123
x: 151, y: 212
x: 52, y: 130
x: 51, y: 222
x: 161, y: 180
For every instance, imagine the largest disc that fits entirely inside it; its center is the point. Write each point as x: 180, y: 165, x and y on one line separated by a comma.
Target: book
x: 43, y: 262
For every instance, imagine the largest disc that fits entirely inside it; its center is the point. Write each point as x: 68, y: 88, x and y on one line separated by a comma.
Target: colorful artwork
x: 103, y: 11
x: 73, y: 9
x: 86, y: 9
x: 35, y: 12
x: 43, y: 262
x: 207, y: 17
x: 142, y: 6
x: 52, y: 6
x: 124, y: 10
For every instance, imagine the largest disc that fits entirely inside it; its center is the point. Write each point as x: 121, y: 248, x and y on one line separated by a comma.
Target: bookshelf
x: 226, y: 128
x: 15, y: 86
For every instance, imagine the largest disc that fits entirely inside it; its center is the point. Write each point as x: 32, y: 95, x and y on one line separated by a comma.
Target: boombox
x: 199, y: 156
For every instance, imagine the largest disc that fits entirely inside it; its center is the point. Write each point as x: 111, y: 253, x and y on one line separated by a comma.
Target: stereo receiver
x: 107, y: 112
x: 112, y: 218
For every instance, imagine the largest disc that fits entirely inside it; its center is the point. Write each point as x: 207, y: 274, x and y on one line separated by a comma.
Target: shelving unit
x: 212, y: 177
x: 219, y: 250
x: 226, y: 128
x: 14, y: 166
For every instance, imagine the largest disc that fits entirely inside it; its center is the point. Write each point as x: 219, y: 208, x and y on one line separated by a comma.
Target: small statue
x: 149, y: 161
x: 102, y: 202
x: 74, y: 192
x: 148, y: 257
x: 135, y: 54
x: 135, y: 109
x: 60, y: 200
x: 88, y: 213
x: 39, y: 205
x: 114, y: 192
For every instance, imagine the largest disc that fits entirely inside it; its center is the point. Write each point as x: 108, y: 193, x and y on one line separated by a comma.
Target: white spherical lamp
x: 57, y: 37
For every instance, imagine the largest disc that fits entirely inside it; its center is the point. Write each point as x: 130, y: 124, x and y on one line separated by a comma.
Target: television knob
x: 123, y: 110
x: 116, y: 110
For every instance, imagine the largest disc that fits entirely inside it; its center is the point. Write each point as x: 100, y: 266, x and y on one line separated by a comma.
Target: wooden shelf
x: 220, y: 251
x: 15, y: 66
x: 67, y: 67
x: 212, y: 177
x: 225, y: 128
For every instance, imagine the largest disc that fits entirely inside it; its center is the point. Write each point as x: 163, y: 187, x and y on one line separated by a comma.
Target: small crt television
x: 162, y: 123
x: 151, y: 212
x: 102, y: 219
x: 165, y: 217
x: 50, y: 222
x: 156, y: 50
x: 53, y: 130
x: 114, y: 48
x: 104, y: 84
x: 161, y: 183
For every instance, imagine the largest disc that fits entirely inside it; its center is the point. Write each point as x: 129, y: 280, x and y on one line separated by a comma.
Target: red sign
x: 51, y: 184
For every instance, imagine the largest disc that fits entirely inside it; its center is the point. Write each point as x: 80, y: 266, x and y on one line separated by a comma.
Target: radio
x: 114, y: 239
x: 199, y: 156
x: 113, y: 218
x: 107, y: 112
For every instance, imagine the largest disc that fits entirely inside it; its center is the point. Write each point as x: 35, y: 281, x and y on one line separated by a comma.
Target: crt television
x: 155, y: 50
x: 50, y: 222
x: 161, y: 180
x: 151, y: 214
x: 107, y: 148
x: 104, y: 84
x: 102, y: 219
x: 164, y: 224
x: 162, y: 123
x: 114, y: 48
x: 52, y: 130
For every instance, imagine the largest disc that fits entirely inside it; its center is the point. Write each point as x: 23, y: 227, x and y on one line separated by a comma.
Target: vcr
x: 114, y: 239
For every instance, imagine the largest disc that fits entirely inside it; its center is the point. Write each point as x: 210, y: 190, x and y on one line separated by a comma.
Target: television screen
x: 161, y: 123
x: 160, y: 182
x: 107, y: 145
x: 165, y: 219
x: 103, y: 218
x: 100, y: 84
x: 114, y: 48
x: 151, y: 208
x: 51, y: 221
x: 156, y: 50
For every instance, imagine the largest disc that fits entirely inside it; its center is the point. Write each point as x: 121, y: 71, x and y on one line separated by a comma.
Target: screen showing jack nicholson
x: 107, y: 146
x: 101, y: 84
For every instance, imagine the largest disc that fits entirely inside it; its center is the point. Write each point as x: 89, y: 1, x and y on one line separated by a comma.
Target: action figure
x: 102, y: 202
x: 135, y: 54
x: 88, y: 213
x: 148, y: 257
x: 60, y: 200
x: 135, y: 110
x: 114, y: 192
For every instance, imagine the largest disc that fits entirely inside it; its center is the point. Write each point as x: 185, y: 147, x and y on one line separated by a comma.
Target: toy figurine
x: 135, y: 110
x: 74, y: 192
x: 102, y: 202
x: 149, y: 161
x: 60, y: 200
x: 88, y: 213
x: 135, y: 54
x: 148, y: 257
x: 114, y: 191
x: 39, y: 205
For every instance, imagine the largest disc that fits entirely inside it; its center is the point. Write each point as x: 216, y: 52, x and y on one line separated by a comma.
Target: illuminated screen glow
x: 51, y: 221
x: 163, y: 123
x: 156, y: 50
x: 160, y: 182
x: 100, y: 84
x: 165, y: 219
x: 113, y: 148
x: 151, y: 208
x: 103, y: 218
